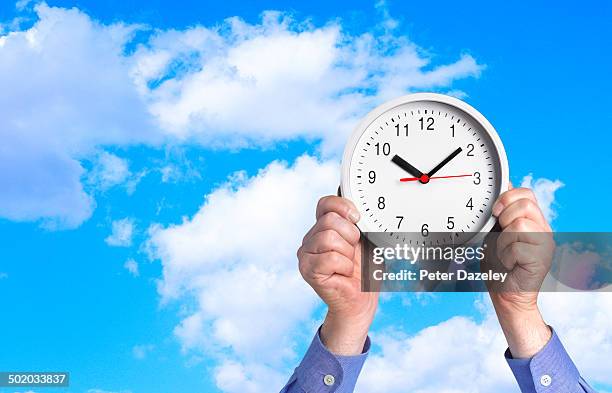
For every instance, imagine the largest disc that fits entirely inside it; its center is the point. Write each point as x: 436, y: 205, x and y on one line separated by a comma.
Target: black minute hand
x: 399, y: 161
x: 444, y: 162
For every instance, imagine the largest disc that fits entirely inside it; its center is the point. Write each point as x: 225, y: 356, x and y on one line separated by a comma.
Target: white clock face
x: 425, y: 164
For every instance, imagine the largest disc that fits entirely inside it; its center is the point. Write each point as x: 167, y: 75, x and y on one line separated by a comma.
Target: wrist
x: 524, y: 328
x: 343, y: 335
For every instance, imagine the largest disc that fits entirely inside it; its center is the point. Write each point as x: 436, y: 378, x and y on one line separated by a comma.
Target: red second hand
x: 405, y: 179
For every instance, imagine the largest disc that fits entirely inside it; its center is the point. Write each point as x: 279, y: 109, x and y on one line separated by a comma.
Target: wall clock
x: 424, y: 168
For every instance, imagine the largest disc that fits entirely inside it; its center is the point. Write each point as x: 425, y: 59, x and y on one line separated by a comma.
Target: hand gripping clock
x: 424, y: 163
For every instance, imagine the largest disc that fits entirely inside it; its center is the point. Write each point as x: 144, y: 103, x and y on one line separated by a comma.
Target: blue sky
x: 112, y: 135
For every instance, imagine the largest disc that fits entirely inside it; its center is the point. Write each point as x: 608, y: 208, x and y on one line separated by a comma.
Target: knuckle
x: 504, y: 221
x: 328, y: 237
x: 325, y: 201
x: 521, y: 224
x: 315, y: 266
x: 528, y: 192
x: 531, y: 194
x: 322, y: 201
x: 514, y: 250
x: 325, y: 198
x: 501, y: 240
x: 333, y: 257
x: 329, y: 220
x: 506, y: 196
x: 348, y: 204
x: 527, y: 205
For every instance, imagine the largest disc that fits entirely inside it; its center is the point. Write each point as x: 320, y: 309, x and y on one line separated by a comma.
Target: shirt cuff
x: 550, y: 370
x: 321, y: 371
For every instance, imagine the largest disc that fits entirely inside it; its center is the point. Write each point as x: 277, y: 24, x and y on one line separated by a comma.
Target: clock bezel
x: 422, y: 97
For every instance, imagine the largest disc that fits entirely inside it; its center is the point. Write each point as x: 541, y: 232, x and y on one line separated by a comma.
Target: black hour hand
x: 399, y: 161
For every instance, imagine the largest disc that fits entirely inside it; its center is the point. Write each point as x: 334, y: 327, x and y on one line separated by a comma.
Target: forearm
x: 523, y: 326
x: 343, y: 336
x: 535, y: 354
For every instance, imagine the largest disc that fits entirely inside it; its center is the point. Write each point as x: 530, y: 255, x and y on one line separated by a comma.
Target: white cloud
x: 544, y: 190
x: 457, y: 355
x: 70, y: 89
x: 109, y: 170
x: 142, y: 351
x: 178, y: 167
x: 132, y: 266
x: 462, y: 95
x: 280, y: 79
x: 21, y: 4
x: 66, y: 89
x: 585, y: 326
x: 236, y: 258
x: 463, y: 356
x: 122, y: 232
x: 41, y: 185
x: 134, y: 180
x: 231, y: 376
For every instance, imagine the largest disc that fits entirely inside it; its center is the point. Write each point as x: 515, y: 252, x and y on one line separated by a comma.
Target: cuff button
x: 329, y: 380
x: 545, y: 380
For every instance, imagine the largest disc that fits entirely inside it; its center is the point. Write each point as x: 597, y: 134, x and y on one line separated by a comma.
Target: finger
x: 510, y: 196
x: 523, y: 208
x: 328, y: 264
x: 520, y: 254
x: 326, y: 241
x: 522, y: 231
x: 334, y: 221
x: 339, y: 205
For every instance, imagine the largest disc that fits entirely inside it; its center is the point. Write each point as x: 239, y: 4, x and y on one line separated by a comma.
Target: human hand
x: 330, y: 262
x: 525, y: 248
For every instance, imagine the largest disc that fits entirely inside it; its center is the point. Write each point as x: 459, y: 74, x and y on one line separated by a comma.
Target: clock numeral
x: 397, y: 128
x: 450, y: 224
x: 381, y: 203
x: 453, y: 130
x: 386, y: 149
x: 430, y: 123
x: 470, y: 150
x: 371, y: 177
x: 400, y: 218
x: 425, y: 230
x: 470, y: 204
x: 476, y: 177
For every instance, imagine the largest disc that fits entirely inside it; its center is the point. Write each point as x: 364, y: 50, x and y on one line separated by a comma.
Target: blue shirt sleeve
x: 323, y: 372
x: 550, y: 371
